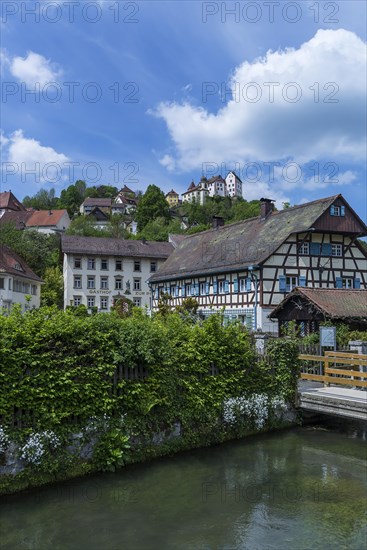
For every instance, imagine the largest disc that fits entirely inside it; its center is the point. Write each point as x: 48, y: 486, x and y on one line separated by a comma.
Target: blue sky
x: 167, y: 91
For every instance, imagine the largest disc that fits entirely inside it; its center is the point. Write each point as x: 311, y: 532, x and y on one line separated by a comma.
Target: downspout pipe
x: 251, y: 269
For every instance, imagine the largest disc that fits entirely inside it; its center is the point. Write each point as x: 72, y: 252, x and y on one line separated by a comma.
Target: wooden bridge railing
x: 335, y: 367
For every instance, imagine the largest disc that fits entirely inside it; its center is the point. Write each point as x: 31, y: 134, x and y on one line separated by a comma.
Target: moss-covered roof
x: 241, y: 244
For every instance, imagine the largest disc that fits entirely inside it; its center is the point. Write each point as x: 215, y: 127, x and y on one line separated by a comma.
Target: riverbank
x: 272, y: 490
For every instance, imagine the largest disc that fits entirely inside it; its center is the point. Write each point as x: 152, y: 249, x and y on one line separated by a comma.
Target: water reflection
x: 300, y: 489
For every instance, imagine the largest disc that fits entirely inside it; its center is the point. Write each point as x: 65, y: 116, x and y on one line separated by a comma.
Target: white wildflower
x: 4, y: 440
x: 36, y: 446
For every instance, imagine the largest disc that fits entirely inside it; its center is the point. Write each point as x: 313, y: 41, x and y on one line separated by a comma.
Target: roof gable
x: 10, y: 202
x: 11, y: 263
x: 350, y: 222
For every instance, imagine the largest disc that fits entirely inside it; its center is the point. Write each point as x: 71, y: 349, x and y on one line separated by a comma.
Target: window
x: 91, y: 281
x: 77, y: 300
x: 18, y: 267
x: 245, y: 285
x: 137, y: 285
x: 337, y: 210
x: 137, y: 302
x: 104, y: 303
x: 304, y: 248
x: 104, y: 282
x: 118, y: 283
x: 203, y: 289
x: 153, y: 267
x: 26, y: 288
x: 137, y: 265
x: 347, y: 282
x: 288, y: 282
x: 188, y: 290
x: 77, y: 263
x: 221, y: 287
x: 291, y: 281
x: 336, y: 250
x: 90, y: 301
x: 17, y: 286
x: 104, y: 263
x: 118, y: 265
x: 2, y: 283
x: 34, y: 290
x: 91, y: 263
x: 77, y: 281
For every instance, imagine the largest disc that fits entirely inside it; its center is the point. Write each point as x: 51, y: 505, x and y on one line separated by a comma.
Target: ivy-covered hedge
x: 63, y: 372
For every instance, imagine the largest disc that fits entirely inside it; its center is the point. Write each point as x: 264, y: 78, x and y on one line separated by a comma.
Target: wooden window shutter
x: 282, y: 283
x: 357, y: 282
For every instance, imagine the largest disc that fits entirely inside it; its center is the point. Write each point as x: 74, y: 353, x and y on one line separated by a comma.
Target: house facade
x: 217, y: 187
x: 172, y: 198
x: 233, y: 185
x: 18, y: 283
x: 196, y: 193
x: 248, y: 267
x: 97, y: 271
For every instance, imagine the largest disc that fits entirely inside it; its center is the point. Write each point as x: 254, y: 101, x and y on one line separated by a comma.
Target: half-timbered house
x: 248, y: 267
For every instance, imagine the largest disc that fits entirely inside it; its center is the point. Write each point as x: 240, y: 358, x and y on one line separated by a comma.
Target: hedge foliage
x: 61, y: 366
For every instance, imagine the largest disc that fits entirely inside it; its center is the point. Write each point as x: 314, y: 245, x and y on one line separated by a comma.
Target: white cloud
x: 34, y: 68
x: 332, y: 63
x: 29, y: 155
x: 344, y: 178
x: 168, y: 162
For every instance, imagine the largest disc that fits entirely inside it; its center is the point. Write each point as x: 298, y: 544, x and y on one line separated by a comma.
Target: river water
x: 297, y: 489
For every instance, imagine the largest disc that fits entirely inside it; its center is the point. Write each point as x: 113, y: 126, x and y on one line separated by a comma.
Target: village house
x: 48, y: 221
x: 90, y: 204
x: 18, y: 283
x: 247, y: 268
x: 125, y: 202
x: 43, y: 221
x: 97, y: 271
x: 172, y: 198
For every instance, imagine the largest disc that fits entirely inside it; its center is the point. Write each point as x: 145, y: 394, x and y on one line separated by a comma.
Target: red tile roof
x: 9, y: 201
x: 19, y: 218
x: 45, y: 218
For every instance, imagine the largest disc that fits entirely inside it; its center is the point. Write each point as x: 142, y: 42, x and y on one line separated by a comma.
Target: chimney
x: 217, y: 222
x: 266, y: 207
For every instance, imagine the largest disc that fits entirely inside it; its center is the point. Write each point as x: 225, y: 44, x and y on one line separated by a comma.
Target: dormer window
x: 304, y: 248
x: 337, y: 210
x: 18, y: 267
